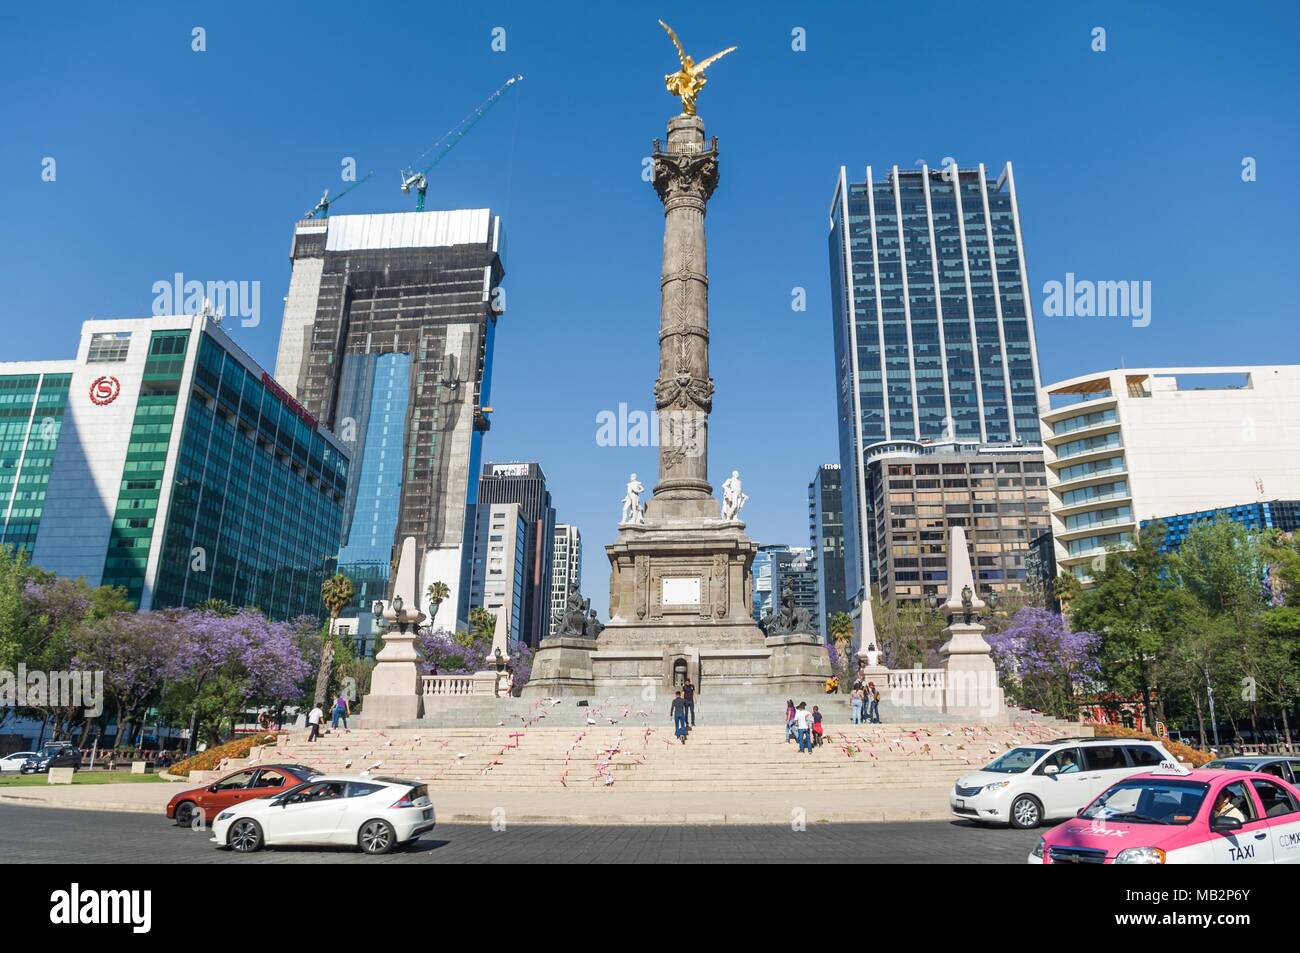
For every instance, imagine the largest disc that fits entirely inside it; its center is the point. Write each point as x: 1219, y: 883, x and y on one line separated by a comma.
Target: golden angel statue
x: 687, y: 82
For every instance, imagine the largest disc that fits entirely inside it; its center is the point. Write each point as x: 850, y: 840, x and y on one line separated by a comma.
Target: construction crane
x: 418, y: 181
x: 323, y: 206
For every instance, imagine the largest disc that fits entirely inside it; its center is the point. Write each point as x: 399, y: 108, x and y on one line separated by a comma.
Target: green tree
x: 1218, y: 572
x: 1281, y: 625
x: 482, y: 625
x: 336, y: 593
x: 907, y: 633
x: 1129, y: 606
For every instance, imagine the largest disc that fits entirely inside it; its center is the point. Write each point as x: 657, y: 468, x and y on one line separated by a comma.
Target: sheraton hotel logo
x: 104, y: 390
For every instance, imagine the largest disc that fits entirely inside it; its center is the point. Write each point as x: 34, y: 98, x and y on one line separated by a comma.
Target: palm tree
x: 841, y: 630
x: 216, y: 606
x: 336, y: 592
x: 437, y: 593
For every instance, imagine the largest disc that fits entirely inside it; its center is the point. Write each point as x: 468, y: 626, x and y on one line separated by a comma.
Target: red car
x: 263, y: 780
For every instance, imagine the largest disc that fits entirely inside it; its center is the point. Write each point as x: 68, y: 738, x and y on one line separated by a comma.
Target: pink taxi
x: 1176, y: 816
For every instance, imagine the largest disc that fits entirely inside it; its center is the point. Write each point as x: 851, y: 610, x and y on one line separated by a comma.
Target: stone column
x: 395, y: 684
x: 685, y: 174
x: 971, y: 687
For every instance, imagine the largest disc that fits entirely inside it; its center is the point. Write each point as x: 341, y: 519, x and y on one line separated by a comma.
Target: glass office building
x: 933, y: 329
x: 373, y: 396
x: 32, y: 404
x: 180, y: 471
x: 826, y: 537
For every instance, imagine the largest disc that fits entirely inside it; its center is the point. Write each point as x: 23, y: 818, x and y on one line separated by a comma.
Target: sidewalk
x: 603, y: 806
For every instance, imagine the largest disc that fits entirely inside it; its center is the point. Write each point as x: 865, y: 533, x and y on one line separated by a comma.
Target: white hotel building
x: 1129, y: 445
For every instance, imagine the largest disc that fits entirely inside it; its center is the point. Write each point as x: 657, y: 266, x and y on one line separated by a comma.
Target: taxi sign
x: 1171, y: 767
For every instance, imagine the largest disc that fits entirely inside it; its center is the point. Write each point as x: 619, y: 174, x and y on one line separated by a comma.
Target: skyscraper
x: 500, y: 564
x: 566, y: 567
x: 387, y: 338
x: 525, y: 484
x: 778, y: 566
x: 933, y: 329
x: 826, y: 538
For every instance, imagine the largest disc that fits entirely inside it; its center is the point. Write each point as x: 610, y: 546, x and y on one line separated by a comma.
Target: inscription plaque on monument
x: 681, y: 591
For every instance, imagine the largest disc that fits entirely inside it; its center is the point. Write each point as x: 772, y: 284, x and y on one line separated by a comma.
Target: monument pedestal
x: 561, y: 668
x: 971, y: 688
x: 394, y: 685
x: 396, y: 692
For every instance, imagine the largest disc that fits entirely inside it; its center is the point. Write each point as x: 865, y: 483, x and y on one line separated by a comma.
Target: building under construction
x: 387, y: 338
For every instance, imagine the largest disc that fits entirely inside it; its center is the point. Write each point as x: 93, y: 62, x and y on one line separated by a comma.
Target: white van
x: 1033, y: 783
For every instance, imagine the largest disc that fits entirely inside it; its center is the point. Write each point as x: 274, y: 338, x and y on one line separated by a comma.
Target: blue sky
x: 1128, y: 164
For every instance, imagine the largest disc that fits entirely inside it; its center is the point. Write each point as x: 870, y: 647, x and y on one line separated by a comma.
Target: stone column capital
x: 685, y: 176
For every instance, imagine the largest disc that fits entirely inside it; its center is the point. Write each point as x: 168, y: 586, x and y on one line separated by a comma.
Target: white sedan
x: 14, y: 762
x: 375, y: 814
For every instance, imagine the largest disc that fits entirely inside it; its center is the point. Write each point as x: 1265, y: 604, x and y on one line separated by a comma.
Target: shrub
x: 208, y: 760
x: 1193, y: 756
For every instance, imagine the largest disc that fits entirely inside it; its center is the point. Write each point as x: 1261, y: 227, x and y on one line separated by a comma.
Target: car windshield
x: 1234, y: 765
x: 1016, y: 761
x: 1149, y: 802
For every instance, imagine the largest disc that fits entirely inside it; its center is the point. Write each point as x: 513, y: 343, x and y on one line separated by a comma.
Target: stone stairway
x: 640, y: 754
x: 715, y: 709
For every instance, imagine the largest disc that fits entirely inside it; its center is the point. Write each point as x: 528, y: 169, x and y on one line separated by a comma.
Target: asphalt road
x: 35, y: 835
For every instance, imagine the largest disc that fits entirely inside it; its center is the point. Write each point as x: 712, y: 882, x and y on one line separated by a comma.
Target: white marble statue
x: 732, y: 497
x: 633, y: 508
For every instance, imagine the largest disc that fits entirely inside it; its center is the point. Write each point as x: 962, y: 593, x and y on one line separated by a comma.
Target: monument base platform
x: 389, y: 711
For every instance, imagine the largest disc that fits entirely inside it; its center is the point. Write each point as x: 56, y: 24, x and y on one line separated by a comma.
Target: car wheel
x: 376, y: 837
x: 184, y: 814
x: 1026, y: 812
x: 245, y: 836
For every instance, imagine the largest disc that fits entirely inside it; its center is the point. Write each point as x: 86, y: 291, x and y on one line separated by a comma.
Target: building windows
x: 1095, y: 493
x: 109, y: 348
x: 1092, y: 468
x: 1087, y: 445
x: 1106, y: 517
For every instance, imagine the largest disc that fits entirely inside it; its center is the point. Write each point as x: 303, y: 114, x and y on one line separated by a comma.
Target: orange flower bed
x: 1193, y: 756
x: 208, y: 760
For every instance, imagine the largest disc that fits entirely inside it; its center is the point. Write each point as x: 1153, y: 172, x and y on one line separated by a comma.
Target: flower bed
x: 1193, y: 756
x: 208, y: 760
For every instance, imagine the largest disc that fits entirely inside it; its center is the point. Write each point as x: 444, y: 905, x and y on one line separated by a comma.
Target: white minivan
x: 1033, y: 783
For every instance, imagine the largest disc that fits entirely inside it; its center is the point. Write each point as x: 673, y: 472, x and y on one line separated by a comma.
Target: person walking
x: 341, y: 711
x: 873, y: 701
x: 803, y: 727
x: 816, y: 727
x: 688, y: 695
x: 857, y: 697
x: 789, y: 720
x: 314, y: 718
x: 279, y: 718
x: 679, y: 717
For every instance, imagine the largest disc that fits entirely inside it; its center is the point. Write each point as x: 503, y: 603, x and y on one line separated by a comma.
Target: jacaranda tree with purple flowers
x: 462, y: 653
x: 226, y: 664
x: 135, y: 651
x: 1043, y: 662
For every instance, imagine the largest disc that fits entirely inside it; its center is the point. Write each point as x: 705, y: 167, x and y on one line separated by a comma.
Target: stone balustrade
x: 915, y: 679
x: 450, y: 686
